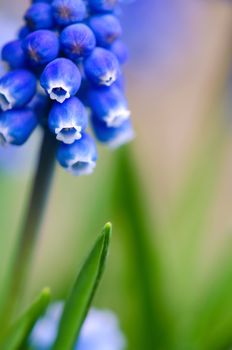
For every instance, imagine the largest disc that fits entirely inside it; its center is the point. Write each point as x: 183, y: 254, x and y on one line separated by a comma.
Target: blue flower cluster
x: 100, y: 330
x: 64, y: 70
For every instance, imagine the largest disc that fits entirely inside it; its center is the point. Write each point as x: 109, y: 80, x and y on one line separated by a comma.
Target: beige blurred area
x: 175, y: 116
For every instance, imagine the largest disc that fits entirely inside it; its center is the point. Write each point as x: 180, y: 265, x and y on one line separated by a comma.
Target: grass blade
x: 16, y: 336
x: 81, y: 295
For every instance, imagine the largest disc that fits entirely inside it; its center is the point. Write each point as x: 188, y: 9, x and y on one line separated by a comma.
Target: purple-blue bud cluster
x: 64, y: 70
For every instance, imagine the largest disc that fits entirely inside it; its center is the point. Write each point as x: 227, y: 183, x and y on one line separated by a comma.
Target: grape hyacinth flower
x: 100, y: 330
x: 62, y: 70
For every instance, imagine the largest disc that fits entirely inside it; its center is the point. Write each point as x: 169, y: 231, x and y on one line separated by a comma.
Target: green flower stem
x: 32, y: 222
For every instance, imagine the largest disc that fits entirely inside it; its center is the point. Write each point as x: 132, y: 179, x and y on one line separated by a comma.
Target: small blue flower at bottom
x: 100, y: 331
x: 61, y: 79
x: 17, y: 88
x: 68, y: 120
x: 78, y: 158
x: 16, y: 125
x: 111, y: 136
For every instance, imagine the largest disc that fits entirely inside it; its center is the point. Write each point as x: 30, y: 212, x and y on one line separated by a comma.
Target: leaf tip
x: 108, y: 229
x: 46, y: 293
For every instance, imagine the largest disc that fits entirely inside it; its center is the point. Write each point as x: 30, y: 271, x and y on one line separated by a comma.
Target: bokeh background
x: 179, y: 89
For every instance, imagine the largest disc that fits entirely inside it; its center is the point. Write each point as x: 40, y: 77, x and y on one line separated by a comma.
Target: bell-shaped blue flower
x: 68, y: 120
x: 17, y: 88
x: 41, y: 46
x: 77, y: 40
x: 106, y: 28
x: 120, y: 50
x: 39, y: 16
x: 78, y: 158
x: 14, y: 55
x: 102, y: 67
x: 113, y: 137
x: 16, y: 125
x: 61, y: 79
x: 109, y: 105
x: 67, y: 12
x: 102, y: 5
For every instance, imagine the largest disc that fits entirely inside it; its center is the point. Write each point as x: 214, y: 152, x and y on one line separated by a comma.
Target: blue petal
x: 106, y: 28
x: 103, y: 5
x: 67, y: 12
x: 68, y: 120
x: 102, y: 67
x: 120, y: 50
x: 77, y: 40
x: 111, y: 136
x: 41, y: 46
x: 16, y: 89
x: 16, y: 126
x: 39, y: 16
x: 61, y: 79
x: 109, y: 105
x: 78, y: 158
x: 14, y: 55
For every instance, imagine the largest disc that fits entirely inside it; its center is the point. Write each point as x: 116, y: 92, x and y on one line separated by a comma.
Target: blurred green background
x: 168, y: 194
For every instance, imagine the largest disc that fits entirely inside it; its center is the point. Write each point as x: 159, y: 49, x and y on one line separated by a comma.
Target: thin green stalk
x: 32, y: 222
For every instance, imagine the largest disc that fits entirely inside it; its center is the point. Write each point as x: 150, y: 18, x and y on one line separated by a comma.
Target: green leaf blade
x: 17, y: 335
x: 84, y: 289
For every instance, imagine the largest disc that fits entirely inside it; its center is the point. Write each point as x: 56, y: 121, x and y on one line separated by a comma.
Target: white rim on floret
x: 121, y: 139
x: 54, y: 96
x: 117, y: 116
x: 6, y: 100
x: 87, y: 163
x: 5, y: 138
x: 109, y: 78
x: 68, y: 133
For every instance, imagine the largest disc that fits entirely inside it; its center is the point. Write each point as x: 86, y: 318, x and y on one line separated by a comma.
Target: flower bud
x: 14, y: 55
x: 102, y: 67
x: 77, y: 40
x: 67, y: 12
x: 119, y: 49
x: 41, y: 46
x: 16, y: 126
x: 113, y: 137
x: 109, y: 105
x: 16, y: 89
x: 68, y: 120
x: 106, y: 28
x: 103, y: 5
x: 61, y: 79
x: 39, y: 16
